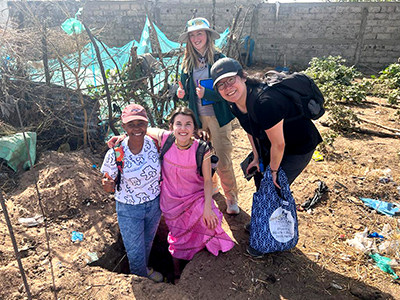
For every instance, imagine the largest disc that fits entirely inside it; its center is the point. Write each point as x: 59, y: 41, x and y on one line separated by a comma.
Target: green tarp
x: 14, y: 152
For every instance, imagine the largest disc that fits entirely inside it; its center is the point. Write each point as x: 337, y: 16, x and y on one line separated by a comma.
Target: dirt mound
x: 65, y: 182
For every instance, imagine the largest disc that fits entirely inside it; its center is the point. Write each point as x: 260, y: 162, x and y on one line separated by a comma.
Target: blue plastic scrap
x: 76, y: 236
x: 387, y: 208
x: 375, y: 235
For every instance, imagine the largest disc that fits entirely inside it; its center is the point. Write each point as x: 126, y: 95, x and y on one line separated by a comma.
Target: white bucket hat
x: 198, y: 24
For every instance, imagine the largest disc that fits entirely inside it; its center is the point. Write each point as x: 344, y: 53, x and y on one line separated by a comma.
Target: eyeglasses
x: 197, y: 22
x: 222, y: 85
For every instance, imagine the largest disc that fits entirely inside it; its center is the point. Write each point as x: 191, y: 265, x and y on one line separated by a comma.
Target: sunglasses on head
x: 222, y: 85
x: 197, y: 22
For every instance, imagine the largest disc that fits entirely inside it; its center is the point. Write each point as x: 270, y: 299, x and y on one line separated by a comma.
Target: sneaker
x: 247, y: 227
x: 254, y: 253
x: 232, y: 208
x: 154, y: 275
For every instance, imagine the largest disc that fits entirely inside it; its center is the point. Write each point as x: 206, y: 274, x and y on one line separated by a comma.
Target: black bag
x: 301, y: 89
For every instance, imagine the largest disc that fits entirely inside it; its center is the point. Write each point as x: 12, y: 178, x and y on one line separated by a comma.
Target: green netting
x: 90, y: 68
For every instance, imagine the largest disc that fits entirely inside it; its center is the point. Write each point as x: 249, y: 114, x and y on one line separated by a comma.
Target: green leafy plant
x: 342, y: 119
x: 391, y: 75
x: 387, y: 85
x: 339, y: 86
x: 328, y: 139
x: 394, y: 97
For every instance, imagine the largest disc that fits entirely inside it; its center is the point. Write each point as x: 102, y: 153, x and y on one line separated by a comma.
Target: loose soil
x: 322, y: 266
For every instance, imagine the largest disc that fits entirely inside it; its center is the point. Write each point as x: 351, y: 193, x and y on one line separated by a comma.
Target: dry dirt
x: 322, y: 266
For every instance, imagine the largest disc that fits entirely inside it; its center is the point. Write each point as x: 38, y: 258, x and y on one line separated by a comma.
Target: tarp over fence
x: 90, y: 69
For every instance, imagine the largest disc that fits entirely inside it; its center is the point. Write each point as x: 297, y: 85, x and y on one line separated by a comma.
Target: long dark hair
x: 254, y: 79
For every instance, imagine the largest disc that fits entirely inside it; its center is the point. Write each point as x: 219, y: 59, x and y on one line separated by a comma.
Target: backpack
x: 201, y: 150
x: 119, y: 160
x: 299, y: 88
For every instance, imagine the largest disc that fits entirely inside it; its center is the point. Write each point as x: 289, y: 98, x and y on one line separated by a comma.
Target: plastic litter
x: 76, y: 236
x: 375, y: 235
x: 317, y: 156
x: 92, y: 257
x: 387, y: 208
x: 73, y: 25
x: 319, y: 191
x: 384, y: 263
x: 31, y: 222
x: 390, y: 248
x: 362, y: 242
x: 336, y: 286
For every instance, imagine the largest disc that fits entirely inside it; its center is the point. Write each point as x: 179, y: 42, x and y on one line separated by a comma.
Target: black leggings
x: 293, y: 165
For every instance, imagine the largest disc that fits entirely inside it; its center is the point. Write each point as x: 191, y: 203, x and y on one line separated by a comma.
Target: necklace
x: 201, y: 58
x: 186, y: 146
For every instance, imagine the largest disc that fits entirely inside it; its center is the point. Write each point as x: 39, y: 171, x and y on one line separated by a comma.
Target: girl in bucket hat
x: 210, y: 110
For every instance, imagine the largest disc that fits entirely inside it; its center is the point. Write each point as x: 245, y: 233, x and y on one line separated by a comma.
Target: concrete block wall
x: 366, y: 34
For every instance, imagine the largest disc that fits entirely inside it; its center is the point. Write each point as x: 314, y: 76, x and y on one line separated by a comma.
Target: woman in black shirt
x: 268, y: 117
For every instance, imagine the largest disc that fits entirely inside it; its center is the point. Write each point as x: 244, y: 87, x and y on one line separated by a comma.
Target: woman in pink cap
x: 211, y: 112
x: 138, y: 189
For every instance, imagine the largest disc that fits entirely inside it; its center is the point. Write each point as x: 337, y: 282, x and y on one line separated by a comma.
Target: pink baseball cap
x: 133, y: 112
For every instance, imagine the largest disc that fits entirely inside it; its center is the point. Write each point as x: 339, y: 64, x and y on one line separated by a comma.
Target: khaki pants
x: 221, y: 141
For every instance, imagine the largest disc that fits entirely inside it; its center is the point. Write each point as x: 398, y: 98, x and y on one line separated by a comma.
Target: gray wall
x: 366, y: 34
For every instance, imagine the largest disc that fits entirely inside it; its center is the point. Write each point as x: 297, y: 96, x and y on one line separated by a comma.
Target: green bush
x: 391, y: 76
x: 387, y: 84
x: 337, y: 83
x: 331, y: 69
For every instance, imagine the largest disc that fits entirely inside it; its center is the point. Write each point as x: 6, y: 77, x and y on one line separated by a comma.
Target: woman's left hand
x: 200, y: 91
x: 210, y: 218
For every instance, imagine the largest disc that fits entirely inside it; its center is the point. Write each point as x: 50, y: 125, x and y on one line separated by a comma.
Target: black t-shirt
x: 301, y: 135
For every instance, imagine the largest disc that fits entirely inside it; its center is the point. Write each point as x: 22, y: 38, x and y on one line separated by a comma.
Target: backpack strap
x: 168, y: 143
x: 201, y: 151
x: 254, y: 94
x: 119, y: 160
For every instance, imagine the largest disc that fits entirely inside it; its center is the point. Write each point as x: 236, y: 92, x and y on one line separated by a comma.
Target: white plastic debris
x: 362, y: 242
x: 31, y: 222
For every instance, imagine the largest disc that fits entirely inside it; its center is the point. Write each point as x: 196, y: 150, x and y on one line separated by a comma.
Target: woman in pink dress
x: 193, y: 220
